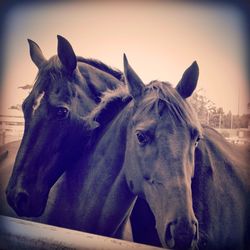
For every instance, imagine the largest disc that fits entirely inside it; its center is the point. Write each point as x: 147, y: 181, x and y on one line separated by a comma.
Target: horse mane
x: 53, y: 68
x: 112, y: 101
x: 102, y: 66
x: 179, y: 109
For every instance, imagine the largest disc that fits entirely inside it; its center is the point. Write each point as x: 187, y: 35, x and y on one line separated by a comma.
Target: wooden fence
x: 20, y: 234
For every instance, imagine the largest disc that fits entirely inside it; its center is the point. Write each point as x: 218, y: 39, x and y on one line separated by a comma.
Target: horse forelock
x: 51, y: 70
x: 178, y: 108
x: 53, y: 78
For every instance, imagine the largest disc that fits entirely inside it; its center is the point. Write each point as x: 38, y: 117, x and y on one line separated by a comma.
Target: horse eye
x: 61, y: 112
x: 142, y: 137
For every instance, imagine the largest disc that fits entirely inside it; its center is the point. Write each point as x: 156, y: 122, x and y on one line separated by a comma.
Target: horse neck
x: 210, y: 165
x: 91, y: 84
x: 221, y: 158
x: 104, y: 190
x: 219, y: 176
x: 97, y: 81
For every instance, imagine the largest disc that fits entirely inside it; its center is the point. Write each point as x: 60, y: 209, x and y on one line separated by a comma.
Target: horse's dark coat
x: 66, y: 89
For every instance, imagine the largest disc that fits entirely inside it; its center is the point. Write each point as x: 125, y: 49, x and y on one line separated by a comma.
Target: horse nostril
x: 22, y: 199
x: 9, y: 198
x: 169, y: 235
x: 196, y: 230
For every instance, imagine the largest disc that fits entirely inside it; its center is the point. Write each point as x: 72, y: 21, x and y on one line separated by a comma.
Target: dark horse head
x: 67, y: 88
x: 163, y: 132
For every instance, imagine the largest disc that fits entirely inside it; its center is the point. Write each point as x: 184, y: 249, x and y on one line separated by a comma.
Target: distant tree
x: 202, y: 106
x: 16, y: 107
x: 214, y: 116
x: 236, y: 123
x: 26, y: 87
x: 244, y: 120
x: 227, y: 120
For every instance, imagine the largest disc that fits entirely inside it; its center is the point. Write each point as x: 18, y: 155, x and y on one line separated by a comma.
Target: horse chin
x: 32, y: 213
x: 170, y: 244
x: 27, y: 209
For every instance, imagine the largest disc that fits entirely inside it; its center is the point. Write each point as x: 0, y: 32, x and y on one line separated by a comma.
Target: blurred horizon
x: 161, y: 39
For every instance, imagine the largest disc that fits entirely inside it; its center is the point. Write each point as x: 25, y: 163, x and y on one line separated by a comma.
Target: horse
x: 128, y: 161
x: 66, y: 89
x: 194, y: 182
x: 198, y: 179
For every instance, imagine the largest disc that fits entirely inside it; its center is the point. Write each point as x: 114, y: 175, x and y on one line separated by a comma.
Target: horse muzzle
x: 23, y: 204
x: 182, y: 234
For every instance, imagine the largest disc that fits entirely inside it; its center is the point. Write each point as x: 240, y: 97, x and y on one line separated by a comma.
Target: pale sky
x: 161, y: 39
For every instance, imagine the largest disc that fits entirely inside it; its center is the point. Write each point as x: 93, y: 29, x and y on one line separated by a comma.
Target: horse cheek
x: 132, y: 172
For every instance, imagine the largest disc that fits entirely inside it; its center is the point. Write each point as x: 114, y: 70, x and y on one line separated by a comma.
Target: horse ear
x: 36, y: 54
x: 135, y: 84
x: 189, y: 80
x: 66, y: 54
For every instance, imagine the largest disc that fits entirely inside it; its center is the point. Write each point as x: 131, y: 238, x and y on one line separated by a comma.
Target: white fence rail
x: 21, y: 234
x: 11, y: 128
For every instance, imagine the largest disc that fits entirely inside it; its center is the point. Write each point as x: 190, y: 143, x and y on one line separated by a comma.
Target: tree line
x: 214, y: 116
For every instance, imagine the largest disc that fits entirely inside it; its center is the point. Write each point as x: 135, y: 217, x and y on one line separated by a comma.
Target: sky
x: 160, y: 38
